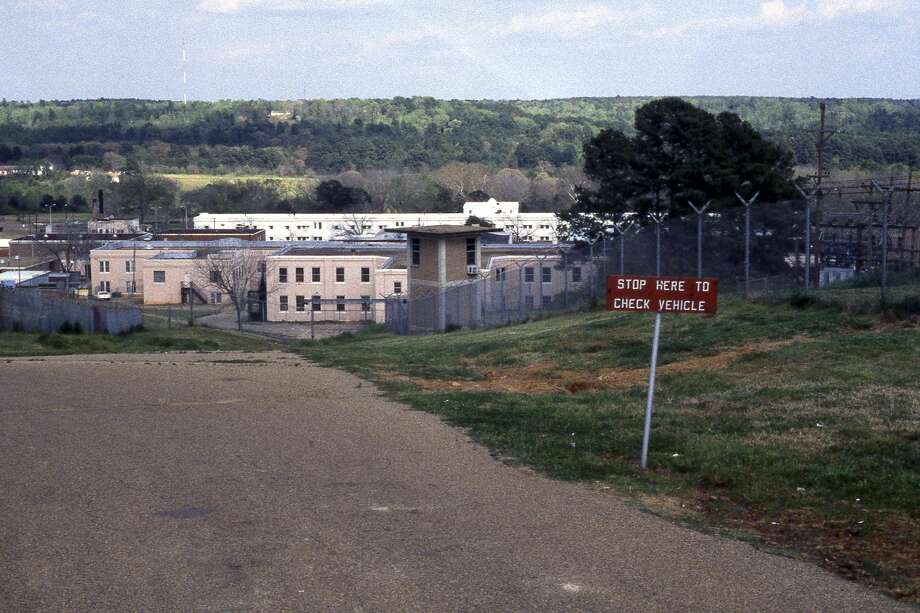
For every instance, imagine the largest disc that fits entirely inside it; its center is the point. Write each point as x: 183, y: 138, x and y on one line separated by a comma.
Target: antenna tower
x: 184, y: 77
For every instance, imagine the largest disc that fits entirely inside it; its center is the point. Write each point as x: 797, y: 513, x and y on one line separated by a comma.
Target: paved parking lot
x: 257, y: 482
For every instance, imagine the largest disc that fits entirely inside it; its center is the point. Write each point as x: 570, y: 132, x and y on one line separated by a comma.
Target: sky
x: 511, y: 49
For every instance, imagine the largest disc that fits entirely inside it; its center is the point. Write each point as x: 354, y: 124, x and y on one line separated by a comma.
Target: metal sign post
x: 660, y: 295
x: 653, y: 366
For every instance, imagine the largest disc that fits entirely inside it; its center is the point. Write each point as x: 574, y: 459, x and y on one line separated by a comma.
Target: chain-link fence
x: 32, y: 310
x: 754, y: 249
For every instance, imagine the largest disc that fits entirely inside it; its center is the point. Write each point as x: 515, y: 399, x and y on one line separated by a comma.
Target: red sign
x: 662, y: 294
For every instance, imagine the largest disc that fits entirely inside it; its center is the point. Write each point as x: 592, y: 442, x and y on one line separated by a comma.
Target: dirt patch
x: 544, y: 378
x: 873, y: 547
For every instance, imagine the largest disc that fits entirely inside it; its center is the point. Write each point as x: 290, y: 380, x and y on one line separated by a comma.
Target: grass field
x: 797, y: 427
x: 189, y: 182
x: 155, y: 337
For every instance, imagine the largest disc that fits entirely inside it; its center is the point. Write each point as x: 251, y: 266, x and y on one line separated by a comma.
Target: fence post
x: 747, y: 240
x: 520, y: 293
x: 699, y: 235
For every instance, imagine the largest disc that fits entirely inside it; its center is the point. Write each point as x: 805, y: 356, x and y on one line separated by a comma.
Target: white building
x: 505, y: 216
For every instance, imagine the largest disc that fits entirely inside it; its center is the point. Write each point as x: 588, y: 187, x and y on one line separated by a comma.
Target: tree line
x: 331, y: 136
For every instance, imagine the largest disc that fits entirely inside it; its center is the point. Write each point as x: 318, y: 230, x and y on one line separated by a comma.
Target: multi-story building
x: 505, y: 217
x: 344, y: 280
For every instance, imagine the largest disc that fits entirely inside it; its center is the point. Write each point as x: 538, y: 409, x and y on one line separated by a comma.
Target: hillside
x: 797, y: 428
x: 328, y: 136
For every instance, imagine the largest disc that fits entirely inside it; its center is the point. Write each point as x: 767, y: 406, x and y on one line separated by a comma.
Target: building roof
x: 83, y: 236
x: 190, y: 231
x: 445, y: 230
x: 176, y: 255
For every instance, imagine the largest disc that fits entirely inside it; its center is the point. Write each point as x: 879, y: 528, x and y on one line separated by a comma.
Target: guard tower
x: 443, y: 264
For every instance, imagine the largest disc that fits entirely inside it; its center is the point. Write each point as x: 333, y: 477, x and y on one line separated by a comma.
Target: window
x: 214, y: 276
x: 131, y: 287
x: 528, y: 302
x: 104, y: 286
x: 216, y: 297
x: 397, y: 287
x: 103, y: 266
x: 282, y: 303
x: 316, y: 276
x: 576, y: 274
x: 340, y: 275
x: 547, y: 300
x: 318, y: 224
x: 282, y: 275
x: 416, y: 251
x: 365, y: 303
x: 159, y: 276
x: 500, y: 275
x: 340, y: 303
x: 298, y: 275
x: 470, y: 251
x: 129, y: 266
x: 528, y: 274
x: 315, y: 303
x: 547, y: 274
x: 365, y: 275
x: 301, y: 304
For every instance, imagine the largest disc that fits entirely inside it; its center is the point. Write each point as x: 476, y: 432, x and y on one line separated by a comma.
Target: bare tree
x: 354, y: 225
x: 461, y: 178
x: 508, y: 184
x: 234, y: 272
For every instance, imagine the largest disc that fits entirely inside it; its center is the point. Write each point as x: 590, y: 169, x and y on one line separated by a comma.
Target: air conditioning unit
x: 472, y: 269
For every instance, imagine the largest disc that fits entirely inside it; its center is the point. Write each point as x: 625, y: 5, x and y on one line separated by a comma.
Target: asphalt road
x: 221, y: 482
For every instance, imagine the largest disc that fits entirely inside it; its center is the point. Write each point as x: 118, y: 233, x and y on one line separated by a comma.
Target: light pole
x: 18, y: 269
x: 50, y: 206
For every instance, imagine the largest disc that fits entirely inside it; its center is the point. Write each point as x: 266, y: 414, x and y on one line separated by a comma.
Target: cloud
x: 242, y: 52
x: 570, y: 22
x: 237, y: 6
x: 777, y: 13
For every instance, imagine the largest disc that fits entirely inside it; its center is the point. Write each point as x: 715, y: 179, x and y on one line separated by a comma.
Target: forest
x: 396, y: 154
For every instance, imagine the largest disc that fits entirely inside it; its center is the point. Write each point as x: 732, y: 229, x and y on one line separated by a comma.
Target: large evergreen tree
x: 678, y: 153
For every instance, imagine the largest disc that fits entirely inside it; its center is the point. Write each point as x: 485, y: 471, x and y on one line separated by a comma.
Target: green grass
x: 189, y: 182
x: 177, y: 338
x: 816, y: 429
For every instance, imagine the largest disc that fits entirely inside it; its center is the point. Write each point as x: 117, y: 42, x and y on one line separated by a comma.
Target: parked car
x: 100, y: 295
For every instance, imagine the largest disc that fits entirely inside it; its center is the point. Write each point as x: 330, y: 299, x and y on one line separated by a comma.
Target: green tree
x: 678, y: 153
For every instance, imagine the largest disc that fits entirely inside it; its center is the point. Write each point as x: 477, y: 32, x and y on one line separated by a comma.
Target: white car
x: 102, y: 295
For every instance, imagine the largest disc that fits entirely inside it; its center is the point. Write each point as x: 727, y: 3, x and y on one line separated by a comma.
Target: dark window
x: 499, y: 275
x: 576, y: 274
x: 547, y: 300
x: 301, y: 304
x: 365, y: 275
x: 528, y: 274
x: 416, y: 251
x: 214, y: 276
x: 365, y: 303
x: 282, y: 275
x: 547, y: 273
x: 282, y: 303
x: 397, y: 287
x: 470, y: 251
x: 340, y: 303
x: 298, y: 275
x: 316, y: 305
x: 159, y: 276
x: 316, y: 275
x: 528, y: 302
x: 340, y: 275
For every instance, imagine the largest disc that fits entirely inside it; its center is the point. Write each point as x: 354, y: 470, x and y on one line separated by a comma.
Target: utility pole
x: 822, y: 137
